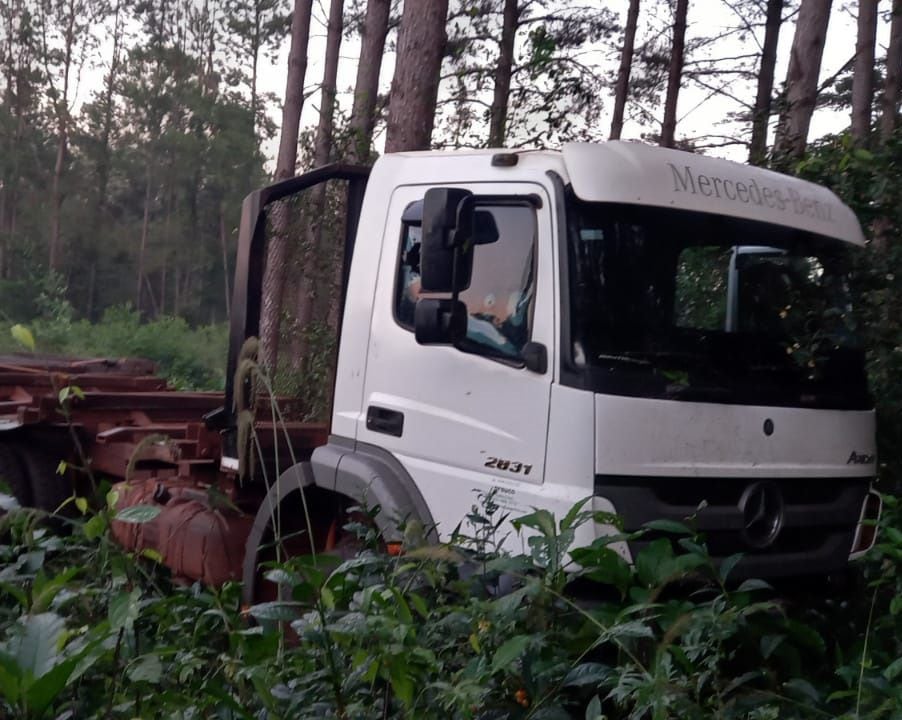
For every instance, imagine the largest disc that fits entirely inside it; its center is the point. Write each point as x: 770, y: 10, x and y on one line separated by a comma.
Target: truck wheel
x: 49, y: 489
x: 13, y: 474
x: 327, y: 515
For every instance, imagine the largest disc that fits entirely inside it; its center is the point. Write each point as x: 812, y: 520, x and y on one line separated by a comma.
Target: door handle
x: 383, y: 420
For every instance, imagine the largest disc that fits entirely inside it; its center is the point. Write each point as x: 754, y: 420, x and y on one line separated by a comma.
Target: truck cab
x: 666, y: 333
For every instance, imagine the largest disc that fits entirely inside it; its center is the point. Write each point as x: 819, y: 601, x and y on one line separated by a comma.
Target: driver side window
x: 501, y: 295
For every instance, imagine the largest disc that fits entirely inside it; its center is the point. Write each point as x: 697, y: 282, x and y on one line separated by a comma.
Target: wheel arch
x: 362, y: 474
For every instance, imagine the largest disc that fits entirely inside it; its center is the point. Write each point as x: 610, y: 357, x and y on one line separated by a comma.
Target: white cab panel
x: 672, y: 438
x: 460, y: 410
x: 571, y: 439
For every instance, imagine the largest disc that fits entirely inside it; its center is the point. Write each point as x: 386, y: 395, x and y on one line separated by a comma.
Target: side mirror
x: 439, y: 322
x: 446, y: 252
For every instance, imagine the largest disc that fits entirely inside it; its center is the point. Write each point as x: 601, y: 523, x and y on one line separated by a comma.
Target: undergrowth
x: 189, y: 358
x: 460, y: 630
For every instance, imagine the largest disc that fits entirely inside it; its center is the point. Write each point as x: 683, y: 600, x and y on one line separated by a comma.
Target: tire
x: 12, y: 472
x: 49, y: 489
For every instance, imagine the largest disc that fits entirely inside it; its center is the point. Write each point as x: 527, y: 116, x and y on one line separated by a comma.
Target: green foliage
x: 190, y: 358
x: 869, y: 182
x: 441, y: 632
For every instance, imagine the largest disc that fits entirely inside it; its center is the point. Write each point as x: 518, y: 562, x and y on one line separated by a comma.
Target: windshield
x: 694, y: 306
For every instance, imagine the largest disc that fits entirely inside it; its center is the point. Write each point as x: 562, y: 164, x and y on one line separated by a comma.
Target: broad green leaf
x: 152, y: 555
x: 401, y: 607
x: 506, y: 604
x: 70, y: 391
x: 94, y: 527
x: 573, y: 517
x: 893, y: 670
x: 475, y: 644
x: 593, y: 709
x: 23, y: 336
x: 806, y: 635
x: 769, y: 643
x: 124, y: 609
x: 10, y: 677
x: 633, y: 628
x: 138, y: 514
x: 743, y: 679
x: 654, y: 563
x: 895, y: 605
x: 281, y: 611
x: 280, y: 576
x: 146, y: 668
x: 584, y: 674
x: 327, y: 597
x: 34, y: 560
x: 436, y: 553
x: 401, y: 682
x: 669, y: 526
x: 540, y: 520
x: 17, y: 592
x: 516, y: 564
x: 753, y: 584
x: 47, y: 687
x: 509, y: 651
x: 419, y: 604
x: 803, y: 689
x: 727, y: 566
x: 38, y: 647
x: 44, y: 590
x: 605, y: 566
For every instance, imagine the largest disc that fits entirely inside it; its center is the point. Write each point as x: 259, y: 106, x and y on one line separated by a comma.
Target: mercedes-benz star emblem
x: 761, y: 505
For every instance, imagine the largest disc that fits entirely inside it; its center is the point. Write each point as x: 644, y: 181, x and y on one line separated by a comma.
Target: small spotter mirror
x: 485, y: 229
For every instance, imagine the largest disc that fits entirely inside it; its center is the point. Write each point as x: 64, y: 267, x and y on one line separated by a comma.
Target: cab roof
x: 639, y: 174
x: 628, y: 172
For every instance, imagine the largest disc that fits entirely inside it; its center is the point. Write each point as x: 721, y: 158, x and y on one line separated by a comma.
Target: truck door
x: 466, y: 419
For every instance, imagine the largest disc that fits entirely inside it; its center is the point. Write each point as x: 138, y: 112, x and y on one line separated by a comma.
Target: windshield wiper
x: 625, y: 359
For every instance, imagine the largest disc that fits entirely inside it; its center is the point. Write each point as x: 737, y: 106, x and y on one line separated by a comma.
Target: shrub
x: 189, y: 358
x: 449, y: 631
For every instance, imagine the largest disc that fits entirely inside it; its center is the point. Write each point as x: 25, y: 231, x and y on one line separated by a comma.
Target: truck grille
x: 814, y: 519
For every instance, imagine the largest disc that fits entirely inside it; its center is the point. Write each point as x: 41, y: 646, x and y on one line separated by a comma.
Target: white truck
x: 667, y: 333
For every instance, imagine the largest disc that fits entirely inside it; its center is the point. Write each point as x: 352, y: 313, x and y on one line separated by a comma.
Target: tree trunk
x: 163, y: 286
x: 675, y: 74
x: 144, y: 229
x: 224, y: 242
x: 893, y: 82
x: 176, y: 290
x: 103, y: 167
x: 801, y: 79
x: 92, y: 281
x: 255, y: 59
x: 421, y: 46
x: 761, y: 113
x: 863, y: 72
x: 62, y: 146
x: 623, y: 74
x: 366, y: 88
x: 503, y: 72
x: 322, y: 149
x: 276, y: 255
